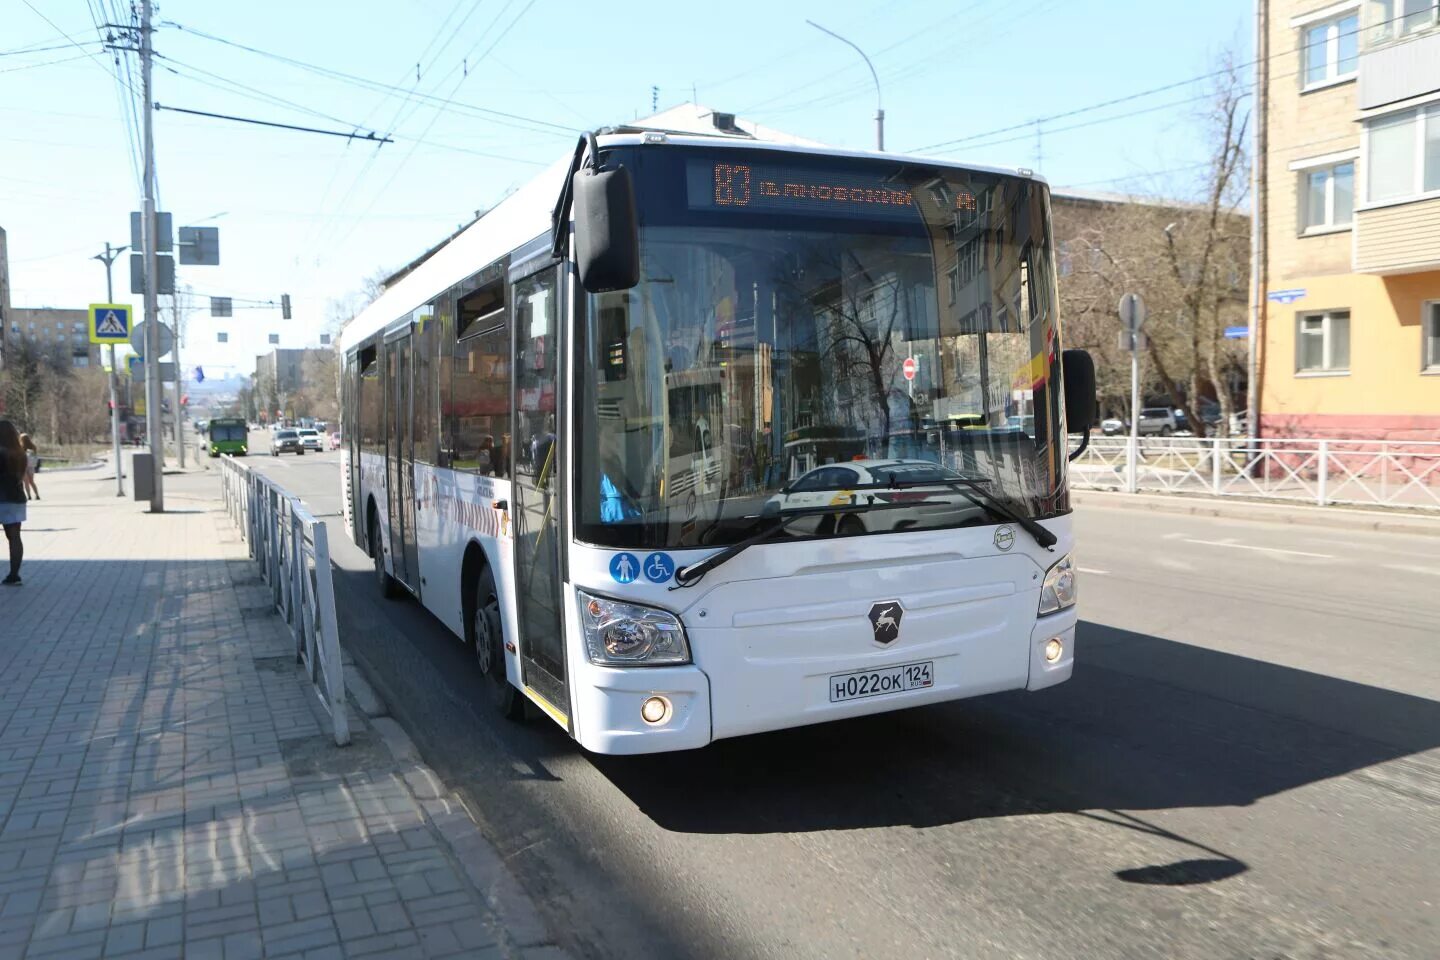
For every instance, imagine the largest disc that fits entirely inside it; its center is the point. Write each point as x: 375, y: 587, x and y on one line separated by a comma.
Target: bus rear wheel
x: 488, y: 638
x: 388, y: 588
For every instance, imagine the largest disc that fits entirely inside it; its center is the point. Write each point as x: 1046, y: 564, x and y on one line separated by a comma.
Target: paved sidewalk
x: 1398, y: 520
x: 166, y: 785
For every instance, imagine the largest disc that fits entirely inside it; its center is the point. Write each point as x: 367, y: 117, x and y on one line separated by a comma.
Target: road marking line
x: 1093, y: 570
x: 1412, y: 568
x: 1246, y: 546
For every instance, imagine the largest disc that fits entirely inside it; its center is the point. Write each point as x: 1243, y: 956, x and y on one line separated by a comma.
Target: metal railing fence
x: 293, y: 553
x: 1390, y: 473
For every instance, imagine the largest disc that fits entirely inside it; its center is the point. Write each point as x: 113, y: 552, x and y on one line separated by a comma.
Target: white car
x: 858, y: 481
x: 311, y: 439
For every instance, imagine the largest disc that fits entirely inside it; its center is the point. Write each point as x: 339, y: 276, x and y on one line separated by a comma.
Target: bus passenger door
x: 400, y: 460
x: 537, y: 477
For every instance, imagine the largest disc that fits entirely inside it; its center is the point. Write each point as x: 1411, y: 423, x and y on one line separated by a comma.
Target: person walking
x: 12, y: 496
x: 32, y: 463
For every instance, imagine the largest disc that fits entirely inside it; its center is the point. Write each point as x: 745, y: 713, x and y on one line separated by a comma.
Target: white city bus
x: 690, y: 465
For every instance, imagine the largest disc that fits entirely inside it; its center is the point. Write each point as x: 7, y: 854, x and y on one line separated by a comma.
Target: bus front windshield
x: 227, y: 432
x: 811, y: 332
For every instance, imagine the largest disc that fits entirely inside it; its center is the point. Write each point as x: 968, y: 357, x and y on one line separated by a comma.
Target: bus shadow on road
x: 1145, y: 724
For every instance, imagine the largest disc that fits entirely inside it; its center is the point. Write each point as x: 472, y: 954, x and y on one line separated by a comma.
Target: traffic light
x: 285, y: 306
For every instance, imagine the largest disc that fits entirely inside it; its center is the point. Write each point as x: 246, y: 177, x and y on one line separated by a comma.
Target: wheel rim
x: 487, y: 610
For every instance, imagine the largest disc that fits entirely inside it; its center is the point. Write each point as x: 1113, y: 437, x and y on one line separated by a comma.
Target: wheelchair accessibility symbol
x: 659, y: 568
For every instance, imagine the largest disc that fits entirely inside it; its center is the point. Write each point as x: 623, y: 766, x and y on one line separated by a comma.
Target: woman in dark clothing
x: 12, y: 496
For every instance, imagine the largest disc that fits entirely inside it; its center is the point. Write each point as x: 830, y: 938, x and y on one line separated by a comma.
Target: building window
x: 1327, y: 196
x: 1403, y: 155
x: 1430, y: 349
x: 1388, y: 20
x: 1332, y: 50
x: 953, y: 277
x: 1322, y: 342
x: 82, y: 361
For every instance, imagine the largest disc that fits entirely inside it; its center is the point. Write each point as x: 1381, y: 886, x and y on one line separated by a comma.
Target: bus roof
x: 525, y: 214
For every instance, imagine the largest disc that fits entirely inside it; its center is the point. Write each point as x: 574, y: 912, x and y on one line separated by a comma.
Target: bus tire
x: 389, y: 589
x: 487, y: 636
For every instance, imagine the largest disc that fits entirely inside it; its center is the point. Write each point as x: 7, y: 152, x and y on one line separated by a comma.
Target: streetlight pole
x: 879, y: 110
x: 108, y: 258
x: 153, y: 394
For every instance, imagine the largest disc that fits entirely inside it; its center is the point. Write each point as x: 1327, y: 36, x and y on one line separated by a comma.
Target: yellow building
x: 1350, y: 321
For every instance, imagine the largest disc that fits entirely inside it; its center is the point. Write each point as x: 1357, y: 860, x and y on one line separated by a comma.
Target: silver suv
x: 1157, y: 422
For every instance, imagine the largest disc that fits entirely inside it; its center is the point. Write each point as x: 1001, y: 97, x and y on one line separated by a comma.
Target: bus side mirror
x: 607, y: 231
x: 1078, y: 369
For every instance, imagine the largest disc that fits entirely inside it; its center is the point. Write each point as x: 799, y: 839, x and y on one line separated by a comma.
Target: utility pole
x: 179, y: 377
x: 879, y: 110
x: 108, y: 258
x: 1258, y: 198
x: 153, y: 392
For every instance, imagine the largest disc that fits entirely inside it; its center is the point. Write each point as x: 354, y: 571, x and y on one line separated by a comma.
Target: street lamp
x: 879, y: 110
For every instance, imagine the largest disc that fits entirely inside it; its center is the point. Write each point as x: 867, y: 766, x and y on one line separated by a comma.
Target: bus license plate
x: 874, y: 683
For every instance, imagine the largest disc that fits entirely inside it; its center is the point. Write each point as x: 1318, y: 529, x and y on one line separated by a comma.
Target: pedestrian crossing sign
x: 109, y: 323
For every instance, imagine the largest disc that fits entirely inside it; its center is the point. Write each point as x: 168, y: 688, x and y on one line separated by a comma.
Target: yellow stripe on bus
x: 548, y: 707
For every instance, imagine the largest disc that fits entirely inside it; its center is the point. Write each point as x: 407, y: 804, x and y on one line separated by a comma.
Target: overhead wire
x: 436, y: 116
x: 496, y: 116
x: 1031, y: 124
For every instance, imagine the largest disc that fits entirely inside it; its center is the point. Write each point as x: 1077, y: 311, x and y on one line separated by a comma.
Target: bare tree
x: 1188, y: 259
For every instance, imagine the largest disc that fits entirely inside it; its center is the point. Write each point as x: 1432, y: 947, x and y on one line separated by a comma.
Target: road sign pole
x: 108, y: 258
x: 1132, y: 318
x: 1132, y: 449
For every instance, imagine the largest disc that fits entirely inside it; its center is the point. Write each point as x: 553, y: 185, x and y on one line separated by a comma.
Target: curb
x: 452, y: 818
x: 1299, y: 515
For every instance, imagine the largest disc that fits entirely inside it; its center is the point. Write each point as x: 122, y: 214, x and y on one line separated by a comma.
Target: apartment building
x: 59, y: 331
x: 1350, y: 321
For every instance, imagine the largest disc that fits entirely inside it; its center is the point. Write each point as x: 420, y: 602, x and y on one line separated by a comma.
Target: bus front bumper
x: 609, y: 702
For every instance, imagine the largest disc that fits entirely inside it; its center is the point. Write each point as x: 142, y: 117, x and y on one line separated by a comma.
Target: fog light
x: 655, y: 710
x: 1053, y: 649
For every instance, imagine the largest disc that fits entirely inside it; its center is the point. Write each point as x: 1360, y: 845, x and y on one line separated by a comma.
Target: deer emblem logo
x: 885, y: 618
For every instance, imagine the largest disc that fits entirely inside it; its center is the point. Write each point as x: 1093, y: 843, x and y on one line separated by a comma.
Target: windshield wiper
x: 975, y: 492
x: 691, y: 574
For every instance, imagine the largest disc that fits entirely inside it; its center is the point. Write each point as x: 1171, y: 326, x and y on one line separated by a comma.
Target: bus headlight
x: 628, y: 634
x: 1058, y: 591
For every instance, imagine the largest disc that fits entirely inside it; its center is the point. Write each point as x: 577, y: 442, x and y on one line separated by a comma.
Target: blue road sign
x: 1286, y: 296
x: 1236, y: 333
x: 624, y: 567
x: 109, y: 323
x: 659, y: 568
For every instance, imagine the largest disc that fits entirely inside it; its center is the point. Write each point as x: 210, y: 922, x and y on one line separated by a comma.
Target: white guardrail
x: 1390, y: 473
x: 293, y: 552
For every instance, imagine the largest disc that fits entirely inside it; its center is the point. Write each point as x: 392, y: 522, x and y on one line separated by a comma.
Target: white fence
x: 1394, y: 473
x: 293, y: 552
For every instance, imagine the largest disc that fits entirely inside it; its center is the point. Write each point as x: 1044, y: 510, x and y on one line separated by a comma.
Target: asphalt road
x: 1245, y: 765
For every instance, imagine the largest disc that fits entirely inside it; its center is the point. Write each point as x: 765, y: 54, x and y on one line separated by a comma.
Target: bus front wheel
x: 488, y: 638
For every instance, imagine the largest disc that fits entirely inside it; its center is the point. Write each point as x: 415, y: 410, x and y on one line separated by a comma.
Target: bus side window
x: 372, y: 437
x: 480, y: 384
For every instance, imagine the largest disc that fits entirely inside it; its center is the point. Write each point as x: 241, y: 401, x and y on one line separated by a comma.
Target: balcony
x: 1399, y: 51
x: 1403, y: 238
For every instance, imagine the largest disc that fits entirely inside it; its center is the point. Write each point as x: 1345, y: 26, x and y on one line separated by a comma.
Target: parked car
x: 286, y: 441
x: 335, y: 440
x: 1158, y: 421
x: 1113, y: 426
x: 311, y: 439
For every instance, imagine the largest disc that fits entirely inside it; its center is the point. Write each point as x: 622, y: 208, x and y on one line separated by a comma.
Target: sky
x: 312, y: 216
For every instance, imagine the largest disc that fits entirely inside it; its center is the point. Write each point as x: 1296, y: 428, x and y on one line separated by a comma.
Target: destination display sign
x: 775, y: 188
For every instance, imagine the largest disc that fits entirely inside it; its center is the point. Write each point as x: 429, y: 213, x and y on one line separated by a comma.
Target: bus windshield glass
x: 809, y: 329
x: 227, y: 431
